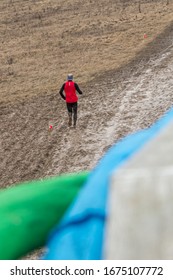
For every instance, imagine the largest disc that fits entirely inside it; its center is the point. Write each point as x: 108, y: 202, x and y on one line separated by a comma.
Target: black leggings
x: 72, y: 108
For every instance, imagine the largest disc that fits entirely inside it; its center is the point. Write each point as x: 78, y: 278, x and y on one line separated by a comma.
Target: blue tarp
x: 80, y: 235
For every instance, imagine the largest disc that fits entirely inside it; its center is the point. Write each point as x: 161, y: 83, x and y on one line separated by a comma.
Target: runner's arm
x: 78, y: 89
x: 61, y: 91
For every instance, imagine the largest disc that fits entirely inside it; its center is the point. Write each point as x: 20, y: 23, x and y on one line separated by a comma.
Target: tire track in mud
x: 144, y: 97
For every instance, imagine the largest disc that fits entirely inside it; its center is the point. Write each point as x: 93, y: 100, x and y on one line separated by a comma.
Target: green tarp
x: 29, y: 211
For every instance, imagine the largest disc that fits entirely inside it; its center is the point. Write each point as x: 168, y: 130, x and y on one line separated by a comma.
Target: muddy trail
x: 113, y: 105
x: 128, y: 100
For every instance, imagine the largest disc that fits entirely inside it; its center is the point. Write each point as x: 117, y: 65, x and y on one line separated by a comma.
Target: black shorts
x: 72, y: 107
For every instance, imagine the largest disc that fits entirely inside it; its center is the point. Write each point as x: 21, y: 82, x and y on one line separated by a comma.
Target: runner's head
x: 69, y: 77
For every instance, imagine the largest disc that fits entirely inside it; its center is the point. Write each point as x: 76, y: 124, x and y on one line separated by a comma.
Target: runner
x: 71, y: 98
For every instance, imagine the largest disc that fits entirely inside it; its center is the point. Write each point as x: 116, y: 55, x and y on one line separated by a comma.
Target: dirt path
x: 144, y: 97
x: 118, y: 103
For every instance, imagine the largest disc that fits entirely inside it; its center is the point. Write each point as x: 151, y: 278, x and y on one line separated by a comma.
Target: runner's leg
x: 74, y: 114
x: 69, y: 109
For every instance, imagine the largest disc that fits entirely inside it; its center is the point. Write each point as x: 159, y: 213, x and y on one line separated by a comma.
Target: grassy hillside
x: 41, y: 41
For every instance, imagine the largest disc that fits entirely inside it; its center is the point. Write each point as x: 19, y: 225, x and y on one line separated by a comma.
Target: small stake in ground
x: 50, y: 127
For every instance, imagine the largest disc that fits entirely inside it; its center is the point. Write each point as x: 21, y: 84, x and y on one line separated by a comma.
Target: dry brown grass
x: 41, y: 41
